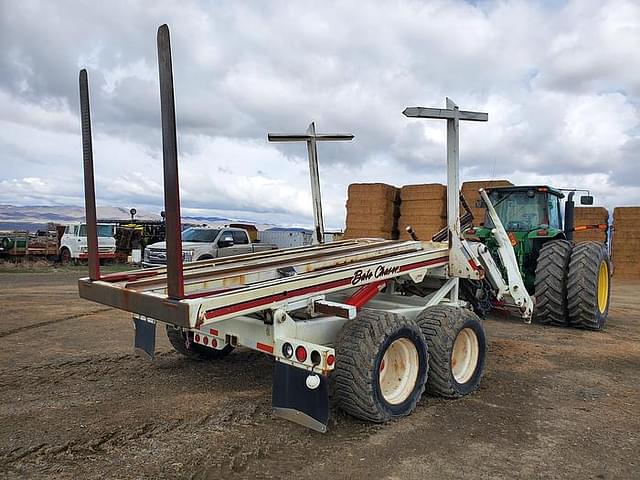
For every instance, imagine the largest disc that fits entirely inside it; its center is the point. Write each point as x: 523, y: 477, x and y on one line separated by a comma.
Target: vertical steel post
x: 89, y: 184
x: 315, y: 184
x: 453, y: 171
x: 175, y: 283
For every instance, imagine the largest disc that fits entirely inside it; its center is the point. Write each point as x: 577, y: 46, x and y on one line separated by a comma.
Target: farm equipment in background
x: 570, y: 282
x: 22, y: 244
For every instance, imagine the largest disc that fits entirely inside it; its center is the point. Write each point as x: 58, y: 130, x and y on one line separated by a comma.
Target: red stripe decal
x: 258, y: 302
x: 264, y: 347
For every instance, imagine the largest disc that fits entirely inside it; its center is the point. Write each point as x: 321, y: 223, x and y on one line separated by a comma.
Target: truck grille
x: 156, y: 256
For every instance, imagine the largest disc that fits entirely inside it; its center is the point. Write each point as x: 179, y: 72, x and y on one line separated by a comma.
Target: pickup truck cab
x: 205, y: 243
x: 73, y: 243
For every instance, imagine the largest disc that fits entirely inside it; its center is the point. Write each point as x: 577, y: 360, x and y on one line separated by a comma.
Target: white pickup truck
x: 205, y: 243
x: 73, y: 242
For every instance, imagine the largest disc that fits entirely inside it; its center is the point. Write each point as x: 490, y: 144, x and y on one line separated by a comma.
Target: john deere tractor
x: 570, y: 281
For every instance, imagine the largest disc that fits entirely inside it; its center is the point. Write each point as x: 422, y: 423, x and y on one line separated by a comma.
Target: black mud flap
x: 293, y: 400
x: 145, y: 340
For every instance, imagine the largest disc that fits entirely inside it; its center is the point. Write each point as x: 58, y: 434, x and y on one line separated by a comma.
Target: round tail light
x: 287, y: 350
x: 301, y: 354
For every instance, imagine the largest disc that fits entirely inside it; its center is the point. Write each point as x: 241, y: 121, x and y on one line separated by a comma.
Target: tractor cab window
x: 519, y: 210
x: 553, y: 204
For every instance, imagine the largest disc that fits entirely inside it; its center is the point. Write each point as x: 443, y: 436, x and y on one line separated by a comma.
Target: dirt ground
x: 75, y: 402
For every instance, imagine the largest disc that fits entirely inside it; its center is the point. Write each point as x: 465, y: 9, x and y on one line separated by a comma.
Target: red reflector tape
x: 264, y: 347
x: 213, y: 331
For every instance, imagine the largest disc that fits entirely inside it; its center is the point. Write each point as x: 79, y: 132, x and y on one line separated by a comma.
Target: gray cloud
x: 560, y: 82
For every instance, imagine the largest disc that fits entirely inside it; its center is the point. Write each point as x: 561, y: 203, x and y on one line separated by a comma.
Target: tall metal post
x: 311, y: 137
x: 452, y: 114
x: 175, y: 283
x: 89, y: 184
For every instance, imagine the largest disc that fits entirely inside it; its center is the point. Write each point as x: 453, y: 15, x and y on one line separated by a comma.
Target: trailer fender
x: 301, y: 396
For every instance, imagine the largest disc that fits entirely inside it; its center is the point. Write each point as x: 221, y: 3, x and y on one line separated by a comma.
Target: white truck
x: 73, y: 243
x: 205, y: 243
x: 374, y: 323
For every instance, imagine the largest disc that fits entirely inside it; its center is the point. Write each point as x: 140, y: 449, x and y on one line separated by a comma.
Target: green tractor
x: 569, y: 281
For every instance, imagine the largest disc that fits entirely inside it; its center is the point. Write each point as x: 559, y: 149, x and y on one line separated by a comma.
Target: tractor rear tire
x: 551, y: 283
x: 381, y: 366
x: 588, y: 286
x: 457, y: 350
x: 182, y: 342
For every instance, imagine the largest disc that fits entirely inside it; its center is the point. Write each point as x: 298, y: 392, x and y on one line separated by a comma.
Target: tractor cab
x: 526, y: 209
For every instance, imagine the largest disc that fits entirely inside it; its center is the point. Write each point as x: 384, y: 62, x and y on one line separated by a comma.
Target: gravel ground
x: 75, y: 402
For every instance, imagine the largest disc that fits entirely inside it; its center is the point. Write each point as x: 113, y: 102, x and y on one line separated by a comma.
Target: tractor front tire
x: 457, y: 350
x: 182, y: 342
x: 381, y: 366
x: 551, y: 283
x: 588, y: 286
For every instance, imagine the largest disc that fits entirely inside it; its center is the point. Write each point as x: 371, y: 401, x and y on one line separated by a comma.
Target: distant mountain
x: 32, y: 218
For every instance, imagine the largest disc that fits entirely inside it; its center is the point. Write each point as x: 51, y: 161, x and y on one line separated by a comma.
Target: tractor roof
x: 525, y: 188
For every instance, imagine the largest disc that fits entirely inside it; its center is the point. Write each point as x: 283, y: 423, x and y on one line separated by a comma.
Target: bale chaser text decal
x: 360, y: 276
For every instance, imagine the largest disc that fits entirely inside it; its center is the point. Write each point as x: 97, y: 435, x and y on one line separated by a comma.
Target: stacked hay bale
x: 424, y: 207
x: 470, y: 192
x: 626, y: 242
x: 590, y: 216
x: 372, y: 211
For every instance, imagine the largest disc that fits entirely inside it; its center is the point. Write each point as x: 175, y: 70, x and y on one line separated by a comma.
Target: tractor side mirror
x: 586, y: 200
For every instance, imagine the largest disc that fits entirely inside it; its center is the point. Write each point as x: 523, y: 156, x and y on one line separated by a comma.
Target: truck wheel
x: 65, y: 256
x: 457, y: 350
x: 183, y: 343
x: 381, y: 366
x: 551, y: 283
x: 588, y: 286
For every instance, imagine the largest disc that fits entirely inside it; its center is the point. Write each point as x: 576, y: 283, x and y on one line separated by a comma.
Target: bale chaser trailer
x: 374, y: 322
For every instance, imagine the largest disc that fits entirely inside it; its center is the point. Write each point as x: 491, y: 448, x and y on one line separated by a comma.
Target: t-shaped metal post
x: 452, y: 115
x: 311, y: 137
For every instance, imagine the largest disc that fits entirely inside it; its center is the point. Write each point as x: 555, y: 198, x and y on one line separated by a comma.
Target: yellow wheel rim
x: 603, y: 286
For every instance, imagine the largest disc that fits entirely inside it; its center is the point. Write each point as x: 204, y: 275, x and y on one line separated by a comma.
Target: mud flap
x: 293, y: 400
x: 145, y: 340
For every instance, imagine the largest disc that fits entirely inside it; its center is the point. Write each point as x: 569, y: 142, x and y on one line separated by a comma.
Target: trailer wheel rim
x: 465, y: 354
x: 603, y: 286
x: 399, y: 371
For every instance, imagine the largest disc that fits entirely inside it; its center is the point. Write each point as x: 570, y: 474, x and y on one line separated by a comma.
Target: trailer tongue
x: 371, y: 316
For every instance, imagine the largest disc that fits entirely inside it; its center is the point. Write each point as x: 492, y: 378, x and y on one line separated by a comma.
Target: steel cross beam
x: 453, y: 116
x: 311, y: 137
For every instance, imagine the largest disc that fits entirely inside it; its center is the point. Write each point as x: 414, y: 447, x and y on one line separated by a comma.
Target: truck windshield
x: 104, y: 230
x: 206, y: 235
x: 518, y: 211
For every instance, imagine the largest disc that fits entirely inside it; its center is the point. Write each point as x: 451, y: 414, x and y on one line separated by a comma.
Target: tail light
x: 301, y: 354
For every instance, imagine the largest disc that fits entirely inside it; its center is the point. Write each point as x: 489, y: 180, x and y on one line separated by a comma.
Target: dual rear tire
x: 384, y: 361
x: 572, y: 285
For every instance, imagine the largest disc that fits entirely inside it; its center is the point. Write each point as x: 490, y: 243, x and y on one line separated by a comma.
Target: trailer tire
x: 178, y: 339
x: 457, y: 350
x: 588, y: 286
x: 551, y: 283
x: 381, y: 366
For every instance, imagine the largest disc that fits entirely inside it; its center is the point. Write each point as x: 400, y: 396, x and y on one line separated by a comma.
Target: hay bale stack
x: 471, y: 195
x: 626, y: 242
x: 424, y: 207
x: 372, y: 211
x: 590, y: 216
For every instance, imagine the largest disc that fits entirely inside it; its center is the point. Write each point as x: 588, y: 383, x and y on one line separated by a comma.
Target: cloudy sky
x: 560, y: 80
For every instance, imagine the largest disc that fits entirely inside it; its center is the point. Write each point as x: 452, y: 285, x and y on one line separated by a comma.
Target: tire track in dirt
x: 13, y: 331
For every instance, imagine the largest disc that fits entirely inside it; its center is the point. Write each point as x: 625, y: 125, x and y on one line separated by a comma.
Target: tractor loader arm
x: 511, y: 289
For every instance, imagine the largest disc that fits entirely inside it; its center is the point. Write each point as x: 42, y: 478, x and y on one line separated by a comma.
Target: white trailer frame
x: 300, y: 297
